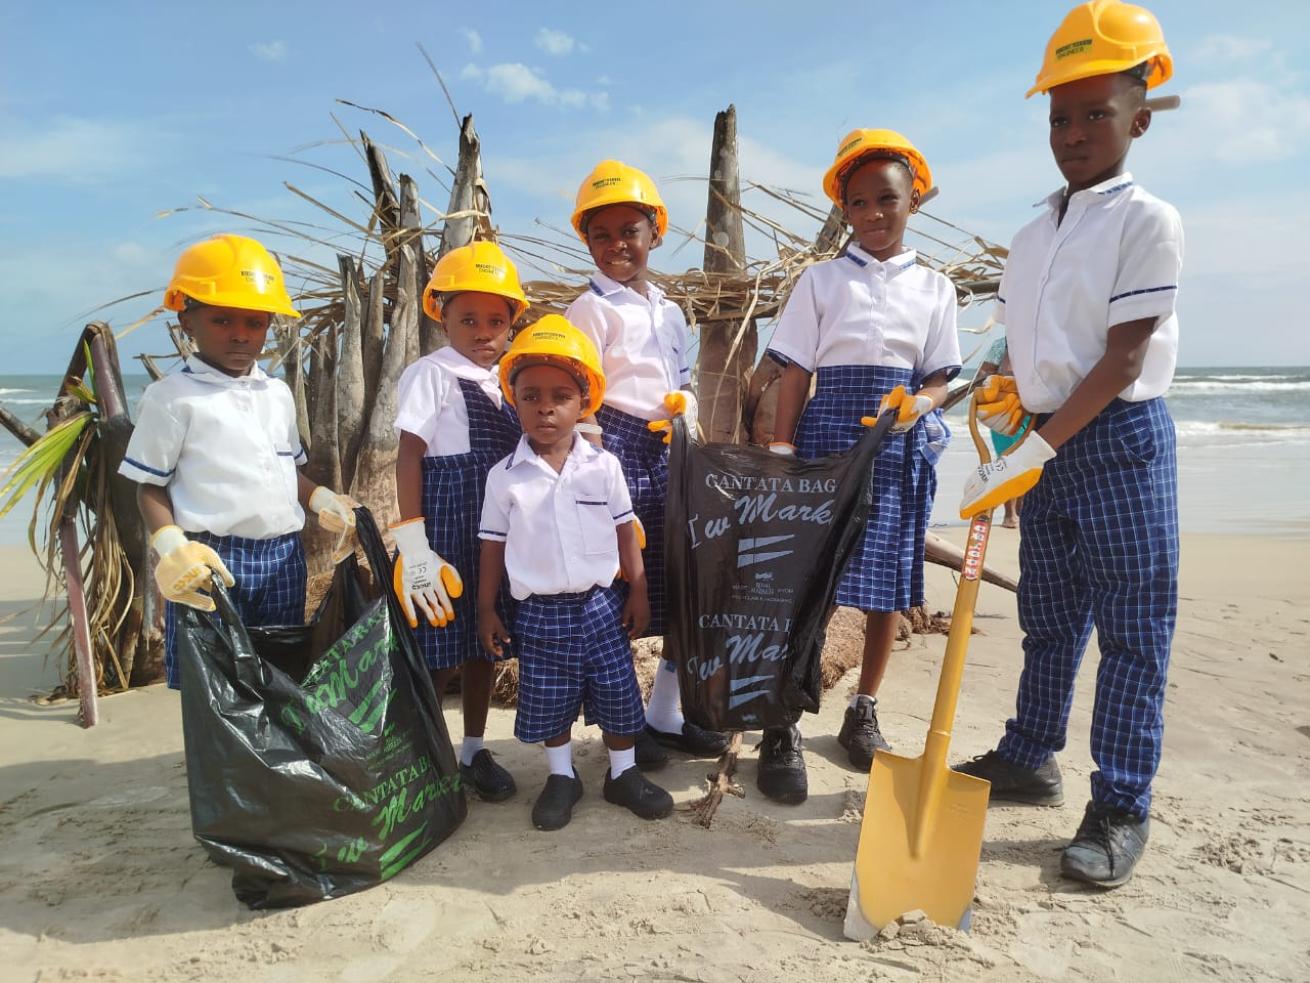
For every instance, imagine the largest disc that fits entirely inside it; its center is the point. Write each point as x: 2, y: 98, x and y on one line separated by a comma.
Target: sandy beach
x: 100, y: 878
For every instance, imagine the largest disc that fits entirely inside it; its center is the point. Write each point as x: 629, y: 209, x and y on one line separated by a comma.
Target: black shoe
x: 638, y: 794
x: 696, y: 741
x: 781, y: 774
x: 492, y: 782
x: 1040, y: 786
x: 650, y: 755
x: 1106, y: 847
x: 859, y: 733
x: 554, y: 806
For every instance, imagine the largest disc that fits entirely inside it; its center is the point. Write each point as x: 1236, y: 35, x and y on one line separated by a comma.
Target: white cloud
x: 1228, y: 47
x: 557, y: 43
x: 72, y: 149
x: 1244, y: 121
x: 470, y: 71
x: 270, y: 51
x: 473, y: 38
x: 515, y: 82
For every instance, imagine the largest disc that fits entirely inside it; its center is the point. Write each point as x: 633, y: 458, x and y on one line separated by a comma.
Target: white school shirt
x: 558, y: 528
x: 226, y: 449
x: 642, y: 343
x: 1116, y: 257
x: 855, y: 310
x: 430, y: 403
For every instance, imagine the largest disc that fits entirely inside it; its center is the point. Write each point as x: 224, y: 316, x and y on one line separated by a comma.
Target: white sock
x: 856, y: 698
x: 560, y: 759
x: 621, y: 761
x: 664, y: 712
x: 470, y: 747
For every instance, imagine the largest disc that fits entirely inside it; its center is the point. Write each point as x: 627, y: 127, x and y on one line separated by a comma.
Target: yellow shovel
x: 923, y: 823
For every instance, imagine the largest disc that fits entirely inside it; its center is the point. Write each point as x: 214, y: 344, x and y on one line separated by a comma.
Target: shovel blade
x: 891, y: 877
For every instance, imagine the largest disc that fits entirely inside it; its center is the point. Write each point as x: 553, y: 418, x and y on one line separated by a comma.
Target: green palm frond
x: 41, y: 461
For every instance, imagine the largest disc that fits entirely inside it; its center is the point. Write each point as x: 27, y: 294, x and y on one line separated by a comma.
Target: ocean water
x: 1243, y: 448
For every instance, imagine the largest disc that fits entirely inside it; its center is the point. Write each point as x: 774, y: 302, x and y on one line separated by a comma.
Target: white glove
x: 909, y: 407
x: 680, y: 402
x: 782, y: 448
x: 422, y: 578
x: 999, y: 407
x: 336, y: 513
x: 1009, y: 476
x: 185, y: 566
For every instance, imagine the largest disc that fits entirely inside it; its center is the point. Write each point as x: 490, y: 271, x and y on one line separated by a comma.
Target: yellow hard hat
x: 229, y: 271
x: 613, y: 182
x: 860, y: 143
x: 1101, y: 38
x: 480, y: 266
x: 553, y: 340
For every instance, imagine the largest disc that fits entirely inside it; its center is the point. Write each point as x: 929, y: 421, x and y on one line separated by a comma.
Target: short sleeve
x: 684, y: 344
x: 156, y: 442
x: 1150, y: 263
x: 998, y: 309
x: 587, y: 316
x: 796, y: 338
x: 420, y: 395
x: 293, y: 430
x: 941, y: 350
x: 620, y: 501
x: 494, y: 524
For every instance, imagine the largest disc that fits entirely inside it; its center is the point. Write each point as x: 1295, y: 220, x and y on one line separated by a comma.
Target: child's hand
x: 999, y: 406
x: 492, y: 633
x: 636, y: 612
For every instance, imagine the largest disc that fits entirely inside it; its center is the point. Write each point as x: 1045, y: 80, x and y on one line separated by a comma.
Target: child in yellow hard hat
x: 643, y: 344
x: 1088, y: 300
x: 558, y: 521
x: 215, y: 450
x: 878, y: 329
x: 454, y: 425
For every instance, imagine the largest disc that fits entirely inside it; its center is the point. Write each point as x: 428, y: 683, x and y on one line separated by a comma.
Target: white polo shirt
x: 855, y: 310
x: 430, y: 403
x: 558, y: 528
x: 642, y: 342
x: 1116, y: 257
x: 225, y: 448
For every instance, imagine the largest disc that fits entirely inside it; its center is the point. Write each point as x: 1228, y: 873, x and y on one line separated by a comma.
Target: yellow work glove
x: 999, y: 407
x: 184, y: 567
x: 681, y: 403
x: 908, y: 406
x: 1009, y: 476
x: 336, y: 513
x: 422, y: 578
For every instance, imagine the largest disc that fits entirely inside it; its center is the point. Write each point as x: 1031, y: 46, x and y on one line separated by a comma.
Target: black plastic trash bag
x: 318, y: 760
x: 755, y: 544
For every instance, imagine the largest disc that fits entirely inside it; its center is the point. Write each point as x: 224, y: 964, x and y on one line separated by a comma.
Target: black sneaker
x: 554, y: 806
x: 1106, y: 847
x: 1013, y: 783
x: 859, y: 733
x: 638, y: 794
x: 693, y: 740
x: 650, y: 755
x: 781, y: 774
x: 492, y: 782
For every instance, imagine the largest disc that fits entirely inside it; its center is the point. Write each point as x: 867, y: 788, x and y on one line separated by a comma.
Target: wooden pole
x: 350, y: 372
x: 470, y: 204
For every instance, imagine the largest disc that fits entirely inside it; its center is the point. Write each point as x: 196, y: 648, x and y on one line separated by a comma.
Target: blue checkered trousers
x: 885, y: 572
x: 453, y: 489
x: 270, y: 586
x: 1099, y: 547
x: 645, y: 460
x: 574, y: 653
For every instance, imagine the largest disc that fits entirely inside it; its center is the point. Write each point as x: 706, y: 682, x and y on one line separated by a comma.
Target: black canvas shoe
x: 638, y: 794
x: 859, y: 733
x: 554, y: 806
x: 781, y: 775
x: 650, y: 755
x: 1106, y: 847
x: 693, y: 740
x: 489, y: 780
x: 1013, y: 783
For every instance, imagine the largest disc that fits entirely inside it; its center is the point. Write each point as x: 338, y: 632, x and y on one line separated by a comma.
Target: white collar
x: 582, y: 450
x: 893, y: 266
x: 1110, y: 186
x: 604, y: 286
x: 202, y: 371
x: 462, y: 366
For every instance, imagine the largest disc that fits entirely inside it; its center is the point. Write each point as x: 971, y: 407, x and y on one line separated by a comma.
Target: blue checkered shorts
x: 1099, y: 547
x: 645, y: 461
x: 270, y: 586
x: 885, y: 572
x: 574, y: 653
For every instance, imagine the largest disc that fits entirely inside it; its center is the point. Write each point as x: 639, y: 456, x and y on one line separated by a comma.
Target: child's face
x: 880, y: 198
x: 1093, y: 123
x: 620, y: 238
x: 228, y: 338
x: 478, y: 326
x: 549, y: 403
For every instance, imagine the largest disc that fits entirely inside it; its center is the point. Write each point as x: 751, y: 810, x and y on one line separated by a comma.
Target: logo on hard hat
x: 1073, y: 48
x: 606, y: 182
x: 854, y: 143
x: 489, y: 269
x: 258, y: 279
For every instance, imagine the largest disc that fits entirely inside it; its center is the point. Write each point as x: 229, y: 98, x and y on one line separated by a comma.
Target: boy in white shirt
x: 1088, y: 301
x: 215, y: 450
x: 558, y: 521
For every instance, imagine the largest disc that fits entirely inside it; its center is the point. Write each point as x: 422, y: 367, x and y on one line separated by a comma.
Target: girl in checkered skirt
x: 454, y: 424
x: 878, y: 330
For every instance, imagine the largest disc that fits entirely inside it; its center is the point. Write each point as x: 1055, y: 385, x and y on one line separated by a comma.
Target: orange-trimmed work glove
x: 908, y: 406
x: 422, y: 579
x: 185, y: 566
x: 999, y: 407
x: 681, y: 402
x: 1009, y: 476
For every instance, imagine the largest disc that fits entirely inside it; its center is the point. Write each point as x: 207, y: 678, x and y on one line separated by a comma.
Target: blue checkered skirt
x: 270, y: 586
x: 645, y: 460
x: 885, y: 573
x: 573, y: 654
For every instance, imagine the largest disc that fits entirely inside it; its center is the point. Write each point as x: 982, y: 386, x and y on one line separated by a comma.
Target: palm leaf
x: 41, y: 461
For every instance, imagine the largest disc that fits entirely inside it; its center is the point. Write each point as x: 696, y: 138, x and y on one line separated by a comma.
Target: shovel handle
x: 979, y: 440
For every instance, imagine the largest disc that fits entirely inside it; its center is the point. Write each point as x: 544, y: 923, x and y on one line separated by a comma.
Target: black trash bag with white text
x: 755, y: 544
x: 318, y: 760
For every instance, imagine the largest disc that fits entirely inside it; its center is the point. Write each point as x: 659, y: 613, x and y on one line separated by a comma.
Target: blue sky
x: 112, y: 113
